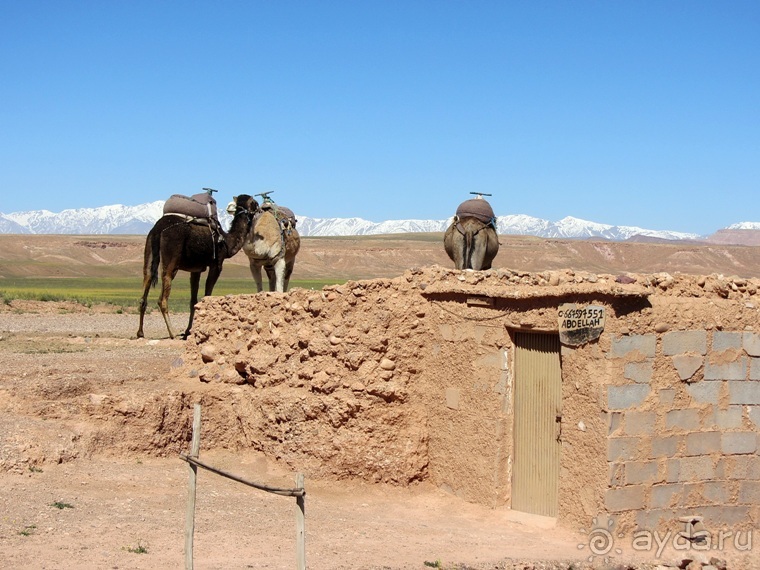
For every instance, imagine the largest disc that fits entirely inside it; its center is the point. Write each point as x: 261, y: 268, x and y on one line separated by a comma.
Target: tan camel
x: 181, y: 243
x: 471, y: 240
x: 272, y: 243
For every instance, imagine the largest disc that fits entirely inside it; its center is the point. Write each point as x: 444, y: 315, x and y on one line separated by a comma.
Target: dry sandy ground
x: 59, y: 361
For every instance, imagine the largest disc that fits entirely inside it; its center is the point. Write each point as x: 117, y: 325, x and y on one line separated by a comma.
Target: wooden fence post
x: 190, y: 513
x: 300, y: 525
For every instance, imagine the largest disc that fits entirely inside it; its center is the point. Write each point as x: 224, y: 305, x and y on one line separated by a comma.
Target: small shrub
x: 61, y: 505
x: 28, y: 530
x: 139, y: 549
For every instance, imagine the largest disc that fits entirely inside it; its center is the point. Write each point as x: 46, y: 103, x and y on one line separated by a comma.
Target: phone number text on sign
x: 579, y: 324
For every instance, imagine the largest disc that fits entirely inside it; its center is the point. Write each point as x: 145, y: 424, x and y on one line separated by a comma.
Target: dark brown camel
x: 177, y: 244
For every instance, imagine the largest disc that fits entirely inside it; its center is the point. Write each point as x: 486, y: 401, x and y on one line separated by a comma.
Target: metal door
x: 537, y: 417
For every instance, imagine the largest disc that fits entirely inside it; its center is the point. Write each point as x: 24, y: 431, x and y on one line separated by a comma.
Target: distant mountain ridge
x: 118, y: 219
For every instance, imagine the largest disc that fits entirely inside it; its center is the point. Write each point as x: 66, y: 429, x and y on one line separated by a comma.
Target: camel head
x: 242, y: 203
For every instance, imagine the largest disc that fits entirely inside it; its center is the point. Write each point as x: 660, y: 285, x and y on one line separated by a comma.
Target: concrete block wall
x: 684, y: 429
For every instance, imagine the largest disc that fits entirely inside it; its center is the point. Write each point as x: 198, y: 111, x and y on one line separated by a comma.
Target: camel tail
x: 469, y: 246
x: 152, y: 257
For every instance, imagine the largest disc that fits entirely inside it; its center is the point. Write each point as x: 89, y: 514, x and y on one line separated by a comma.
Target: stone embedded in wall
x: 687, y: 365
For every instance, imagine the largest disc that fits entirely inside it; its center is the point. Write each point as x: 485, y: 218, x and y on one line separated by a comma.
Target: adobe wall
x: 408, y: 379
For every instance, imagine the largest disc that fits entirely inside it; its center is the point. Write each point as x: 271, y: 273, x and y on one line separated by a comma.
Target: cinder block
x: 663, y: 496
x: 754, y: 368
x: 617, y: 474
x: 640, y: 423
x: 749, y: 492
x: 687, y: 420
x: 646, y: 344
x: 727, y: 419
x: 614, y: 421
x: 703, y: 443
x: 690, y: 469
x: 639, y: 472
x: 738, y: 442
x: 736, y: 370
x: 639, y: 372
x: 754, y: 414
x: 667, y: 396
x: 651, y: 519
x: 673, y: 470
x: 622, y: 448
x: 716, y: 492
x: 705, y: 392
x: 723, y: 340
x: 624, y: 499
x: 666, y: 446
x: 622, y: 397
x: 723, y: 517
x: 744, y: 467
x: 751, y: 343
x: 679, y: 342
x: 747, y: 392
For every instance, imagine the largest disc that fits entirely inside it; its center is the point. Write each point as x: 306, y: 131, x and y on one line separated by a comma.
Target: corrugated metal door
x: 537, y: 415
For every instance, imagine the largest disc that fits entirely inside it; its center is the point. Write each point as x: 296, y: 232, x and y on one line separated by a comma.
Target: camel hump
x: 476, y: 208
x: 196, y: 206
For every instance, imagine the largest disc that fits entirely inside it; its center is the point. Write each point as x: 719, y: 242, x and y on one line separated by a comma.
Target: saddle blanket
x: 195, y: 206
x: 476, y: 208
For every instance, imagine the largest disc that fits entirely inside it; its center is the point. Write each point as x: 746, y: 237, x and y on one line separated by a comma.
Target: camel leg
x: 288, y: 272
x: 144, y: 303
x: 163, y: 301
x: 195, y: 281
x: 275, y: 274
x: 256, y: 273
x: 271, y: 276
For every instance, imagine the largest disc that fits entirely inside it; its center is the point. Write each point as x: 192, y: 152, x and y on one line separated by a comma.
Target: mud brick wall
x: 684, y: 417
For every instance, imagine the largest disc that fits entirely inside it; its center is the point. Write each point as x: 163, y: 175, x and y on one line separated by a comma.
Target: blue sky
x: 634, y: 113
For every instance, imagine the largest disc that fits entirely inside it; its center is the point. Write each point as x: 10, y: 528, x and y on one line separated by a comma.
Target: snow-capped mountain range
x: 118, y: 219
